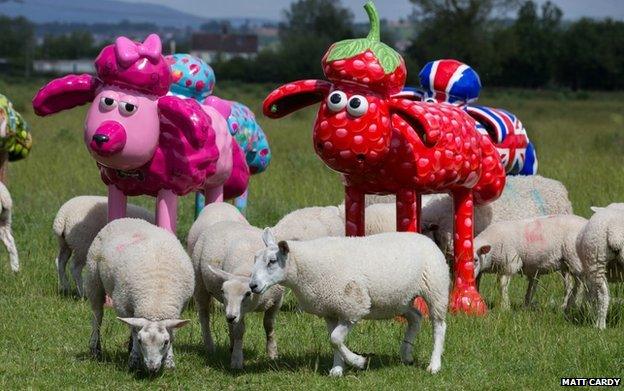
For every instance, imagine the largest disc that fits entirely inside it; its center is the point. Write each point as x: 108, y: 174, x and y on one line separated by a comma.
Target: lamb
x: 211, y: 214
x: 311, y: 223
x: 223, y: 259
x: 599, y: 246
x: 534, y: 247
x: 149, y: 276
x: 76, y: 224
x: 524, y: 197
x: 345, y: 280
x: 6, y: 233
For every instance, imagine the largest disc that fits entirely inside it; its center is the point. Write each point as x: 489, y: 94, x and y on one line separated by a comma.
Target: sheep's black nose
x: 100, y: 138
x: 230, y: 318
x: 253, y: 286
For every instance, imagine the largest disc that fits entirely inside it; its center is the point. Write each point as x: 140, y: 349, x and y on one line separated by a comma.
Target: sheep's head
x: 238, y: 298
x: 482, y: 258
x: 270, y: 264
x: 153, y: 339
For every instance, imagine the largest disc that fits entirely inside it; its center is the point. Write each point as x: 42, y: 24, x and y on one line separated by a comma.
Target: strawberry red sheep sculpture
x: 144, y: 141
x: 384, y: 145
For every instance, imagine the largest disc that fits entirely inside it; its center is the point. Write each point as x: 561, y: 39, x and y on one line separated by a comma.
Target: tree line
x: 535, y: 48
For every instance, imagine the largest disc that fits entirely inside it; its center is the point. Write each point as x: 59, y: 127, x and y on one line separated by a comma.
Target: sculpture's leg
x: 408, y: 211
x: 464, y: 296
x: 241, y: 202
x: 214, y: 194
x: 117, y: 201
x: 167, y: 210
x: 200, y: 202
x: 354, y: 212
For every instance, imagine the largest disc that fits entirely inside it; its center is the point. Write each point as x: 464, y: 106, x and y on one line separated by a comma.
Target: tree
x: 16, y: 41
x: 310, y: 27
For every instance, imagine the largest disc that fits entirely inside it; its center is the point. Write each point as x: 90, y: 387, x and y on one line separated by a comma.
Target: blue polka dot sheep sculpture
x: 194, y: 78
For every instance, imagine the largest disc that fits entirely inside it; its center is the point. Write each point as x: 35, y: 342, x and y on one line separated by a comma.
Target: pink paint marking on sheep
x: 136, y: 238
x: 146, y: 143
x: 533, y: 233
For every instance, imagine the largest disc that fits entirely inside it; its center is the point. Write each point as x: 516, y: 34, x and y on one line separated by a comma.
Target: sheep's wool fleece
x: 600, y: 244
x: 143, y: 268
x: 372, y: 277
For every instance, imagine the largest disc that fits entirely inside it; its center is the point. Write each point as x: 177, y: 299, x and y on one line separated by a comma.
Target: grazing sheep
x: 600, y: 246
x: 311, y: 223
x: 6, y: 233
x: 372, y: 199
x: 211, y: 214
x: 149, y: 276
x: 534, y: 247
x: 524, y: 197
x: 223, y: 261
x: 76, y: 224
x: 344, y: 280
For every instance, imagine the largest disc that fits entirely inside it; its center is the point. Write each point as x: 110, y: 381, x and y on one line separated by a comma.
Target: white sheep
x: 223, y: 260
x: 149, y: 276
x: 211, y: 214
x: 311, y: 223
x: 344, y: 280
x: 76, y: 224
x: 600, y: 247
x: 6, y: 233
x: 534, y: 247
x: 524, y: 197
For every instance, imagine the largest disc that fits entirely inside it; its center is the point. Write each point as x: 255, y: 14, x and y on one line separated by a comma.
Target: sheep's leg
x: 530, y: 292
x: 337, y: 338
x: 167, y: 210
x: 134, y: 360
x: 76, y: 269
x: 203, y: 302
x: 354, y: 212
x: 414, y: 318
x: 169, y: 358
x: 117, y: 203
x: 570, y: 286
x: 61, y: 265
x: 602, y: 304
x: 338, y: 365
x: 503, y: 284
x: 9, y: 242
x: 237, y: 331
x: 269, y: 329
x: 464, y: 296
x: 96, y: 297
x: 439, y: 334
x: 407, y: 211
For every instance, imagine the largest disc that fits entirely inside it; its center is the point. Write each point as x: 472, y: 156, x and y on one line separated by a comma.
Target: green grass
x: 44, y: 337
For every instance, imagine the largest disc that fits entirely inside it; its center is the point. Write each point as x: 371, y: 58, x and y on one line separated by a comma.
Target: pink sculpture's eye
x: 127, y: 108
x: 337, y: 101
x: 107, y: 103
x: 357, y: 106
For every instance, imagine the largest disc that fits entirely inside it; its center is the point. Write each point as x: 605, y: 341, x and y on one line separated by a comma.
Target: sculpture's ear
x: 410, y: 93
x: 65, y: 93
x: 414, y: 114
x: 294, y: 96
x: 188, y: 116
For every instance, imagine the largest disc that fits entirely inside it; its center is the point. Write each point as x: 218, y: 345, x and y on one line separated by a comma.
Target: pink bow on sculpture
x: 128, y: 52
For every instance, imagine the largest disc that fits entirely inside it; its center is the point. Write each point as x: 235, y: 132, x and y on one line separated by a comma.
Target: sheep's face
x: 238, y: 298
x: 482, y: 259
x: 270, y: 264
x: 153, y: 339
x: 122, y: 128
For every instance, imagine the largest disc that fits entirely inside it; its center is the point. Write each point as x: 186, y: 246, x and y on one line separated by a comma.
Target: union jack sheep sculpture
x: 145, y: 142
x: 386, y: 145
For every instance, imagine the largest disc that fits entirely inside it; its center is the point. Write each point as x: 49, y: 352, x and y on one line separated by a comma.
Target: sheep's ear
x: 485, y: 249
x: 430, y: 227
x: 65, y: 93
x: 220, y: 275
x: 135, y: 322
x: 268, y: 238
x: 294, y: 96
x: 174, y: 323
x: 283, y: 247
x: 596, y: 208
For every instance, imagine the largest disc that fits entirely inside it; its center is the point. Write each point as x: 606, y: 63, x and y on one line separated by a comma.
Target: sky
x: 389, y: 9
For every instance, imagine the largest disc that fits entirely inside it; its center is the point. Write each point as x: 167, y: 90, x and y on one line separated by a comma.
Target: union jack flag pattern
x: 451, y: 81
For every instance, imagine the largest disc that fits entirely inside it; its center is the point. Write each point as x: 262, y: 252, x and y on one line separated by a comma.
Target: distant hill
x: 98, y: 11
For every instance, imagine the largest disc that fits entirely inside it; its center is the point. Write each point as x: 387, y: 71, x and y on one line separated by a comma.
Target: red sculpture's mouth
x: 109, y: 139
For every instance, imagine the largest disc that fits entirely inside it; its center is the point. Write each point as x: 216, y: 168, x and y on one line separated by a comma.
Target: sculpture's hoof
x: 467, y: 300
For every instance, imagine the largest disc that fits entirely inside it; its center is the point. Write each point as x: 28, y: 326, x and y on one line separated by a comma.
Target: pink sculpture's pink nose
x: 109, y: 138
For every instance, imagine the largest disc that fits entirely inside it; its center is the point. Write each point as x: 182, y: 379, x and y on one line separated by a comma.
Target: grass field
x: 44, y: 337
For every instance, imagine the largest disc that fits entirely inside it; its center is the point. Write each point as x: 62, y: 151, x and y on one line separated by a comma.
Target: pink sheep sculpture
x: 144, y: 142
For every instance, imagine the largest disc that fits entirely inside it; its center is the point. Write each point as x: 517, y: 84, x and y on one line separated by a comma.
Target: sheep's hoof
x: 434, y: 368
x: 360, y: 362
x: 236, y: 364
x: 169, y: 364
x: 335, y: 372
x: 96, y: 352
x: 467, y: 299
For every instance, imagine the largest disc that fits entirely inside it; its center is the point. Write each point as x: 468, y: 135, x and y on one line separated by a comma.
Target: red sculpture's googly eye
x: 357, y: 106
x: 337, y: 101
x: 107, y: 103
